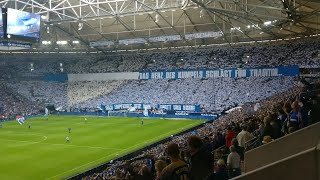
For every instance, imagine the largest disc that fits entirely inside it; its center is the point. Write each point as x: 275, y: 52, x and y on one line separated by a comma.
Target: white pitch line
x: 45, y: 138
x: 52, y: 177
x: 93, y: 147
x: 35, y: 142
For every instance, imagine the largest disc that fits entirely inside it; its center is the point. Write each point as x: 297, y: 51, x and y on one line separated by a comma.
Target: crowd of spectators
x: 300, y: 52
x: 42, y: 92
x: 230, y: 132
x: 267, y: 108
x: 12, y: 103
x: 79, y: 93
x: 214, y: 95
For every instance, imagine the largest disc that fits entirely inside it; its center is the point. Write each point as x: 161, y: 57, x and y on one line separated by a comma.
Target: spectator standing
x: 201, y: 162
x: 159, y: 166
x: 221, y: 172
x: 233, y: 163
x: 229, y: 136
x: 177, y: 169
x: 244, y: 136
x: 239, y: 149
x: 295, y: 117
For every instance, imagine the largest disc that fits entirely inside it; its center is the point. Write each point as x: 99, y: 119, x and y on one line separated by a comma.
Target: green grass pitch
x: 42, y: 152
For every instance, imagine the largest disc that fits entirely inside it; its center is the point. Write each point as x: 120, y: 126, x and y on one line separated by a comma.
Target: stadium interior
x: 235, y: 81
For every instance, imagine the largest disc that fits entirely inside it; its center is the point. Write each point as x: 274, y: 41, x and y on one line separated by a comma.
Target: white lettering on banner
x: 143, y: 75
x: 163, y: 106
x: 170, y: 75
x: 219, y: 73
x: 165, y: 38
x: 190, y: 74
x: 118, y: 106
x: 264, y: 72
x: 177, y: 107
x: 209, y: 74
x: 157, y: 75
x: 203, y: 35
x: 148, y: 106
x: 126, y: 106
x: 240, y: 73
x: 137, y: 106
x: 189, y: 108
x: 132, y: 41
x: 101, y: 43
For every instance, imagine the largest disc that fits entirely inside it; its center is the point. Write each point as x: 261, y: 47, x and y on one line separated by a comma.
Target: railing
x: 252, y: 143
x: 283, y: 147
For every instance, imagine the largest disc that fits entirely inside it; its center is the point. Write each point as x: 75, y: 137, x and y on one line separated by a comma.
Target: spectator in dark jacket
x: 201, y: 162
x: 239, y: 150
x: 266, y: 130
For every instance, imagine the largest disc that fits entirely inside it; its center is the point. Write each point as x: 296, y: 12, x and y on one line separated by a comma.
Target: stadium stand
x: 42, y: 92
x: 215, y: 95
x: 234, y: 119
x: 258, y: 100
x: 13, y: 103
x: 302, y: 53
x: 80, y: 92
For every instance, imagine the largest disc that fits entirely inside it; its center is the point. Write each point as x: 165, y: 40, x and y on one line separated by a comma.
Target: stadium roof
x: 113, y: 20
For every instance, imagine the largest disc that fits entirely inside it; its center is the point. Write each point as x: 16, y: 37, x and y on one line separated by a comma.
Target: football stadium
x: 159, y: 89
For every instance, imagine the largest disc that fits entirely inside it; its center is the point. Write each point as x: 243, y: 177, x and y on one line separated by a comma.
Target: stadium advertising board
x: 204, y: 35
x: 15, y: 45
x: 157, y: 39
x: 169, y: 107
x: 180, y: 107
x: 124, y: 106
x: 223, y: 73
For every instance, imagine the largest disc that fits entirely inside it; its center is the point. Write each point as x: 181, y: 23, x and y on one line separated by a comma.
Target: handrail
x: 249, y: 144
x: 214, y: 152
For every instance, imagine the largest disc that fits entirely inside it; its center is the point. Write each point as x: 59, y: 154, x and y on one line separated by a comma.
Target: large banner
x: 169, y: 107
x: 223, y: 73
x: 125, y: 106
x: 180, y: 107
x: 157, y: 39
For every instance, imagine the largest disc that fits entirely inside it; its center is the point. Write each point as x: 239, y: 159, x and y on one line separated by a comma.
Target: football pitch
x: 42, y: 152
